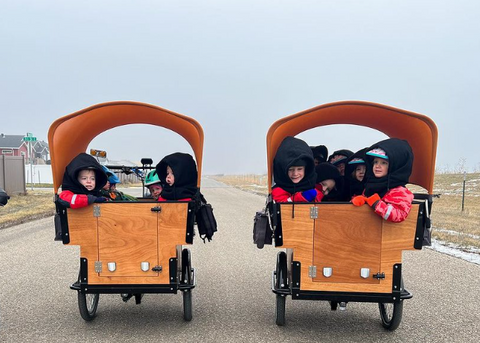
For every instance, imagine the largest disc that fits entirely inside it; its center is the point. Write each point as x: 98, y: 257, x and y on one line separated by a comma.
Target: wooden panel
x: 347, y: 240
x: 299, y: 233
x: 396, y: 238
x: 172, y: 228
x: 127, y: 235
x: 82, y: 228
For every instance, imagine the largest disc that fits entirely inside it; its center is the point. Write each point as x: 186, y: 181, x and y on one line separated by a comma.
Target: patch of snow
x: 473, y: 255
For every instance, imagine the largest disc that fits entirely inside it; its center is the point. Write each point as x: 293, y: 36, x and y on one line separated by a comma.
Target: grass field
x: 451, y: 224
x: 22, y: 208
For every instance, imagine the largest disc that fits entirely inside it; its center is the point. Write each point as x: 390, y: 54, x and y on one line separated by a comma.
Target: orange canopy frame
x: 70, y: 135
x: 419, y: 130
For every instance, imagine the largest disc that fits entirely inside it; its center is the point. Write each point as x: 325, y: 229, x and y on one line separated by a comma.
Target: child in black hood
x: 339, y: 159
x: 178, y: 174
x: 355, y: 173
x: 389, y: 165
x: 328, y: 178
x: 294, y: 173
x: 320, y: 154
x: 82, y: 181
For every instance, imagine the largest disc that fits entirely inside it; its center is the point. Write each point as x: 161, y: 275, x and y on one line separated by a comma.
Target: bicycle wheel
x: 88, y: 304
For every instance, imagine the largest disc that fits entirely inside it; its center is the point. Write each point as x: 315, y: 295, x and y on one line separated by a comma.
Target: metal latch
x: 96, y: 211
x: 157, y: 269
x: 312, y: 271
x: 314, y: 212
x: 156, y: 209
x: 98, y: 266
x: 379, y: 276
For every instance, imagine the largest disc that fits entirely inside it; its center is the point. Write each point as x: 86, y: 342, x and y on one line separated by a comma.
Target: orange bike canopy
x: 419, y: 130
x: 70, y: 135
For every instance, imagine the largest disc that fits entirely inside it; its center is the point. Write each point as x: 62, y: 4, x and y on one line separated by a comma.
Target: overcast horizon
x: 238, y: 66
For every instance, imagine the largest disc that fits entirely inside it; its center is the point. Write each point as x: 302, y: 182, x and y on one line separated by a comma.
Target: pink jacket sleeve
x: 395, y: 205
x: 74, y: 200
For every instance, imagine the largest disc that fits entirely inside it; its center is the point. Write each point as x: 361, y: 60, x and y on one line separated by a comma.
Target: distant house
x: 41, y: 151
x: 13, y: 145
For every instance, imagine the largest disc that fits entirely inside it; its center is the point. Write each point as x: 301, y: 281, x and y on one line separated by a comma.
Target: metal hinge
x: 96, y: 211
x: 98, y: 266
x: 312, y: 271
x: 314, y: 212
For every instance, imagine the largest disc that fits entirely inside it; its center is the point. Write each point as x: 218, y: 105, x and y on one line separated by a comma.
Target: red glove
x: 373, y: 199
x: 359, y: 200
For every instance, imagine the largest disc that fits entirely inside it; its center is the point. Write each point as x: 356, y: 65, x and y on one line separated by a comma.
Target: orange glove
x: 359, y: 200
x: 373, y: 199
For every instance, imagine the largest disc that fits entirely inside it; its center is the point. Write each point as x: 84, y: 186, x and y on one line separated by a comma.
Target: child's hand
x: 309, y: 195
x: 93, y: 198
x: 372, y: 200
x: 359, y: 200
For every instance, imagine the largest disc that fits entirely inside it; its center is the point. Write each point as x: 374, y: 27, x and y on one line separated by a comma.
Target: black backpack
x: 206, y: 223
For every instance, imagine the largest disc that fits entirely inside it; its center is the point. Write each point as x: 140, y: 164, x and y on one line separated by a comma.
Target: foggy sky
x: 238, y: 66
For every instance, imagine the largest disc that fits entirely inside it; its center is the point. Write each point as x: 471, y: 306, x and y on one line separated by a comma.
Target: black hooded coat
x: 355, y: 187
x: 400, y: 159
x: 344, y: 152
x: 293, y: 152
x: 70, y: 177
x: 320, y: 152
x: 184, y: 170
x: 325, y: 171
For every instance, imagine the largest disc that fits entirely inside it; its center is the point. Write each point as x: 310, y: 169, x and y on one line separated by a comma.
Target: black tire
x: 280, y: 310
x: 281, y: 282
x: 88, y: 304
x: 391, y: 314
x: 187, y: 305
x: 186, y: 278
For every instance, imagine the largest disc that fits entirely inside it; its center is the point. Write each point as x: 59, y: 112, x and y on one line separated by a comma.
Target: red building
x: 14, y: 145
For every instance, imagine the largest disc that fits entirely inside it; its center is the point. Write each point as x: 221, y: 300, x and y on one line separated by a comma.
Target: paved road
x: 232, y: 301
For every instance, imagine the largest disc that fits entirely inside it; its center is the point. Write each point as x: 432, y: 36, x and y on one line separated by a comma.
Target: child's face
x: 341, y: 168
x: 359, y: 172
x: 155, y: 190
x: 296, y: 174
x: 170, y: 179
x: 107, y: 186
x: 327, y: 186
x: 113, y: 187
x: 87, y: 179
x: 380, y: 167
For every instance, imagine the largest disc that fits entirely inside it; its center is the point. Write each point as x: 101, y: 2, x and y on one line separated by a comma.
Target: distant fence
x: 12, y: 174
x: 38, y: 173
